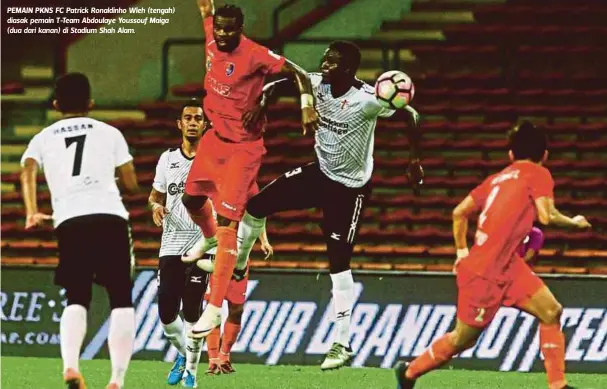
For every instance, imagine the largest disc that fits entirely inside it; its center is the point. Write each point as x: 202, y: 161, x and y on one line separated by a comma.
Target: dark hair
x: 350, y: 53
x: 73, y: 93
x: 195, y: 103
x: 528, y: 142
x: 231, y: 11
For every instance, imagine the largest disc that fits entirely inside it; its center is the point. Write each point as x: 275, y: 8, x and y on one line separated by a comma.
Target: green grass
x: 44, y: 373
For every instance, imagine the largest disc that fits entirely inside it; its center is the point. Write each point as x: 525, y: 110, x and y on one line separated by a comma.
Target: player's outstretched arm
x: 309, y: 116
x: 157, y: 200
x: 548, y: 214
x: 30, y: 201
x: 460, y: 217
x: 271, y: 92
x: 414, y: 135
x: 206, y: 7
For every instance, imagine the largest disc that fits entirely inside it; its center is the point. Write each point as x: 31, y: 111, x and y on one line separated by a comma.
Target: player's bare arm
x: 415, y: 172
x: 309, y: 117
x: 127, y: 178
x: 28, y: 185
x: 157, y: 200
x: 206, y: 7
x: 548, y: 214
x: 460, y: 216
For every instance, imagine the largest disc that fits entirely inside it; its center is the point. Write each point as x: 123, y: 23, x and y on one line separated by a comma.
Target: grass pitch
x: 45, y: 373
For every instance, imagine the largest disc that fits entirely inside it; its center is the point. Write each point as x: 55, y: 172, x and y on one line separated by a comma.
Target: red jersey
x: 508, y: 211
x: 233, y: 82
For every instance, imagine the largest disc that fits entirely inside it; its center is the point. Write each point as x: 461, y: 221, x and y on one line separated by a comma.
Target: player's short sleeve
x: 266, y: 61
x: 315, y: 80
x: 121, y: 149
x: 371, y: 107
x: 207, y: 26
x: 541, y: 183
x: 160, y: 181
x: 33, y: 151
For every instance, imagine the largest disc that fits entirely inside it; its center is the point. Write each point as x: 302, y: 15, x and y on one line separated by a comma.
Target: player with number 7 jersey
x: 492, y: 274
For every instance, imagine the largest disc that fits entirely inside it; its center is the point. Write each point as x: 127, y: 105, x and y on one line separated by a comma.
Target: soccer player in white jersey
x: 177, y: 281
x: 339, y: 181
x: 81, y: 157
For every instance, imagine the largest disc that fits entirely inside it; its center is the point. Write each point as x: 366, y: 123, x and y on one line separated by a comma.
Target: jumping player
x: 177, y: 281
x: 492, y: 273
x: 227, y: 169
x: 338, y: 182
x: 81, y: 157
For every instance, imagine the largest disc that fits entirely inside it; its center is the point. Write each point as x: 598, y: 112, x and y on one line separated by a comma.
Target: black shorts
x: 177, y: 282
x: 308, y: 187
x: 95, y: 248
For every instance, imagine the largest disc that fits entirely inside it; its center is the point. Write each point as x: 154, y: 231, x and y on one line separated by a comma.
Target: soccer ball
x: 394, y: 89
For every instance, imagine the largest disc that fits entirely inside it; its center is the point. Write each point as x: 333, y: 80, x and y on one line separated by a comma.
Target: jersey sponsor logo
x: 228, y: 206
x: 175, y: 189
x: 339, y: 128
x: 218, y: 87
x: 230, y: 69
x: 174, y: 165
x: 335, y: 235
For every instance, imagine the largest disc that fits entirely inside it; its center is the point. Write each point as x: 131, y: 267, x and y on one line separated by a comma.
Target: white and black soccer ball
x: 394, y: 89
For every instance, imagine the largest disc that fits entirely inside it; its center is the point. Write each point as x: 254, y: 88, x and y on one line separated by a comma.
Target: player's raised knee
x: 193, y: 203
x: 552, y: 313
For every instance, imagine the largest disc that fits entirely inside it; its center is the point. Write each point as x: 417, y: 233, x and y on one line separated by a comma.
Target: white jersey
x: 179, y: 230
x: 345, y: 137
x: 79, y: 157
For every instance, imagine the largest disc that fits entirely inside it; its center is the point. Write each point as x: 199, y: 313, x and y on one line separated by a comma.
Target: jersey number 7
x: 79, y: 140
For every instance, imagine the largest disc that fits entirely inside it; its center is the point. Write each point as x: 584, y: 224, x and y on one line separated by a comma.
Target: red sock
x: 225, y: 260
x: 213, y: 345
x: 230, y: 334
x: 552, y: 344
x: 439, y: 352
x: 205, y: 220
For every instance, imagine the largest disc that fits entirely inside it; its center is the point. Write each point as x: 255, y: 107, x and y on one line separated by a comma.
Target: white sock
x: 72, y: 330
x: 121, y: 339
x: 174, y: 333
x: 343, y: 296
x: 249, y: 230
x: 192, y: 351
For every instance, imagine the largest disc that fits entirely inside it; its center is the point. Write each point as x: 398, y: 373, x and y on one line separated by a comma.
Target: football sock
x: 174, y: 332
x: 249, y: 230
x: 343, y: 296
x: 225, y: 260
x: 439, y: 352
x: 213, y: 345
x: 72, y: 329
x: 552, y: 345
x: 192, y: 351
x: 205, y: 219
x: 230, y: 334
x: 121, y: 339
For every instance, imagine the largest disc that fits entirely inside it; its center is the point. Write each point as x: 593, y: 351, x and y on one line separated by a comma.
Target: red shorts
x: 237, y: 290
x: 479, y: 299
x: 226, y: 173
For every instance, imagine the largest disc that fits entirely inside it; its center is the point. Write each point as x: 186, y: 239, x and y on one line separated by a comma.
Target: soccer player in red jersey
x: 492, y: 273
x: 226, y: 169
